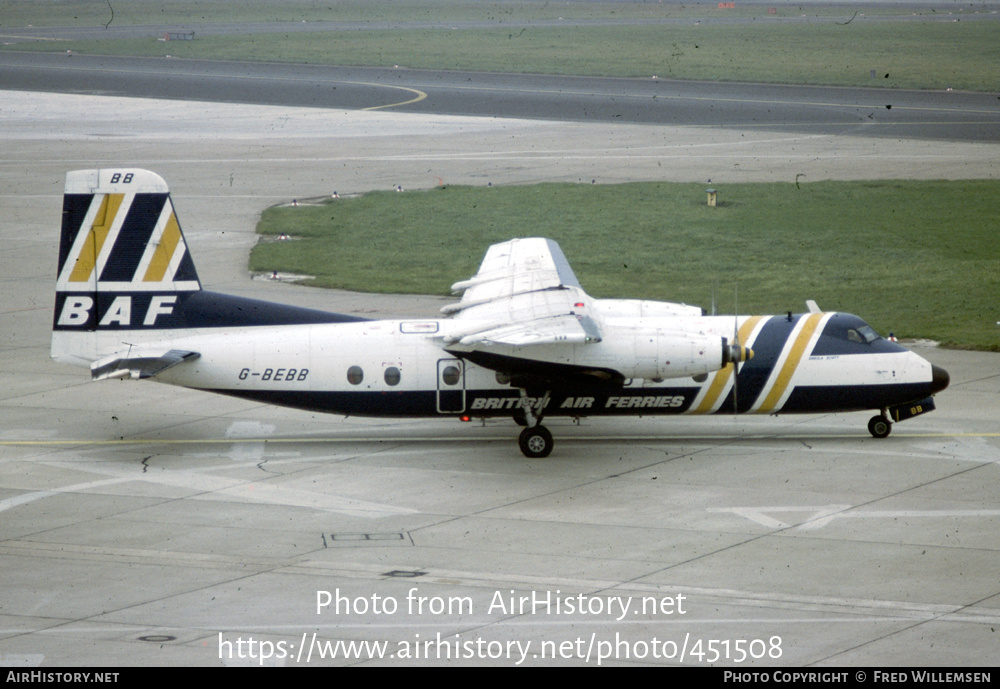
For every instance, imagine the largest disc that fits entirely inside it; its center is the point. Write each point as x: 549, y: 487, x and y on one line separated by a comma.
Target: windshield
x: 864, y: 333
x: 847, y: 334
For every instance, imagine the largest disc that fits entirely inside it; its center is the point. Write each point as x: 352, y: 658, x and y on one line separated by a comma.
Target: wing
x: 524, y: 294
x: 524, y: 314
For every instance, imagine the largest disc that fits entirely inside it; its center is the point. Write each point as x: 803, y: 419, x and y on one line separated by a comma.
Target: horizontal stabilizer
x: 137, y: 364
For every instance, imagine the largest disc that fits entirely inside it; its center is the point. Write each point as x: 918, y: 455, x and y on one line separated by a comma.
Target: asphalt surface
x: 943, y: 116
x: 147, y: 525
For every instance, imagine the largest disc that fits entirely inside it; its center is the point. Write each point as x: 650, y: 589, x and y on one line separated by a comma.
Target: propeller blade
x: 736, y: 340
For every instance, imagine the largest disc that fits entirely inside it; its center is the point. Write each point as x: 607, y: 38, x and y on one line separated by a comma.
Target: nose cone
x: 939, y: 379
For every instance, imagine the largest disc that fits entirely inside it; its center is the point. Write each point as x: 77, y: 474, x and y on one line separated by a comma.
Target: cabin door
x: 450, y: 386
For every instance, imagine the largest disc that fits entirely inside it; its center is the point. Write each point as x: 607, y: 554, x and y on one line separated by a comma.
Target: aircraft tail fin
x: 123, y: 261
x: 126, y: 286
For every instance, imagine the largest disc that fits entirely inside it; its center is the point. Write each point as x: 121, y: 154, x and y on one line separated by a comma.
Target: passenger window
x: 392, y: 376
x: 355, y: 375
x: 451, y: 375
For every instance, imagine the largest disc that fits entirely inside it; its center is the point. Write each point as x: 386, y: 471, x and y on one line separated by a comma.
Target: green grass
x: 916, y: 258
x: 135, y: 12
x: 949, y: 54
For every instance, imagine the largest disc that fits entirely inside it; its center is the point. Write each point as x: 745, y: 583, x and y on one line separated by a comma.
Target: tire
x: 879, y: 426
x: 535, y: 442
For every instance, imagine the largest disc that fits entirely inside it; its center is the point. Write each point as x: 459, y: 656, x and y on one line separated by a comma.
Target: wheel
x: 879, y: 426
x: 520, y: 418
x: 535, y: 442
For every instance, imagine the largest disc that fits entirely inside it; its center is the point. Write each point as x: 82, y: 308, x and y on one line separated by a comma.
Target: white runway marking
x: 823, y: 515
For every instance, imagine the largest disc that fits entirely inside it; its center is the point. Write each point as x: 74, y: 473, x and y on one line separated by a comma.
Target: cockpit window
x: 864, y: 334
x: 847, y: 334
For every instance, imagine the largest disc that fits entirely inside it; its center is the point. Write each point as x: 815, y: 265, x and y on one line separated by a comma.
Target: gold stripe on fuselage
x: 720, y: 383
x: 791, y: 364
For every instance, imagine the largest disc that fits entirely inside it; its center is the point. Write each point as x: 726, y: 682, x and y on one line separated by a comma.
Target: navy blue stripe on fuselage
x: 413, y: 403
x: 844, y: 398
x: 754, y: 374
x: 478, y: 403
x: 626, y: 402
x: 194, y: 309
x: 203, y: 309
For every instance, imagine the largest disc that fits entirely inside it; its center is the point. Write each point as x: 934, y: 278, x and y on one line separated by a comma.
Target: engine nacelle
x: 653, y: 353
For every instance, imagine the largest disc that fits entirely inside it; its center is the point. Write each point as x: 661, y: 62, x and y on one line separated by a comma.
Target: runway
x: 146, y: 525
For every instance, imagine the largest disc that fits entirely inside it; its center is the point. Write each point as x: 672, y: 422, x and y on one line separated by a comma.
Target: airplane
x: 524, y: 341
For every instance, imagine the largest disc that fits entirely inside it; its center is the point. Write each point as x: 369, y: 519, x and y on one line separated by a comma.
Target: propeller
x: 739, y: 353
x: 736, y: 343
x: 733, y: 351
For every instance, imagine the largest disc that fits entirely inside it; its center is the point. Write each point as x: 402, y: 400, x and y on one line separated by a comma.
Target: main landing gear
x: 535, y: 440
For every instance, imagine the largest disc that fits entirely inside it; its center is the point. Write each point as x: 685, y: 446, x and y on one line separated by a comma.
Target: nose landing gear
x: 879, y: 426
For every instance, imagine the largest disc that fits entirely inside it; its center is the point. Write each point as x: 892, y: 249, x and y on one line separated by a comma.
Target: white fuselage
x: 399, y: 367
